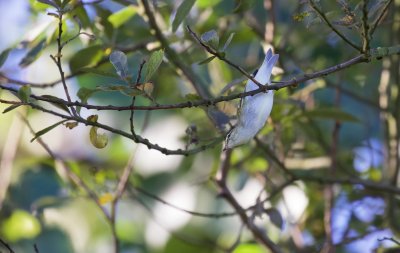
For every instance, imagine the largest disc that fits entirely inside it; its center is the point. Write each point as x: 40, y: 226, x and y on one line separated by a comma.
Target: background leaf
x: 331, y: 113
x: 86, y: 57
x: 153, y: 64
x: 122, y: 16
x: 181, y: 13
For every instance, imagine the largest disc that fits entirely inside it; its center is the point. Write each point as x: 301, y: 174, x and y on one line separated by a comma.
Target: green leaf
x: 47, y: 129
x: 49, y: 2
x: 12, y: 107
x: 181, y: 13
x: 58, y: 104
x: 120, y: 63
x: 97, y: 140
x: 33, y: 54
x: 99, y: 72
x: 331, y: 113
x: 275, y: 217
x: 207, y: 3
x: 228, y: 41
x: 249, y: 248
x: 86, y: 57
x: 207, y: 60
x: 211, y: 38
x: 120, y: 17
x: 4, y: 56
x: 24, y: 93
x: 153, y: 64
x: 85, y: 93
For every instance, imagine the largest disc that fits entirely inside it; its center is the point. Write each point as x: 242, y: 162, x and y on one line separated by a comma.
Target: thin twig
x: 328, y: 23
x: 225, y: 193
x: 7, y: 246
x: 365, y: 25
x: 223, y: 58
x: 57, y: 59
x: 379, y: 18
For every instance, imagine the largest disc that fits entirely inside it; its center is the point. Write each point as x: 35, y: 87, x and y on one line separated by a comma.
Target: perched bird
x: 253, y: 110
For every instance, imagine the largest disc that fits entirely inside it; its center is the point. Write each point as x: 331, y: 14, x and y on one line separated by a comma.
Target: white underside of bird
x: 254, y: 110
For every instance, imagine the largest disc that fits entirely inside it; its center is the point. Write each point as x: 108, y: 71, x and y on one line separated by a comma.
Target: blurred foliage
x: 107, y: 45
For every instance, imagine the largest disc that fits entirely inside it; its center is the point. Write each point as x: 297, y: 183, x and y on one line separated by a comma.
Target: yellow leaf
x: 106, y: 198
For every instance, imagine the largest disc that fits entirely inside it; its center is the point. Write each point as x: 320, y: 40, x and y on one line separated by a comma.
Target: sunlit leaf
x: 49, y: 2
x: 86, y: 57
x: 98, y: 140
x: 24, y: 93
x: 4, y: 56
x: 211, y: 38
x: 10, y: 108
x: 181, y: 13
x: 106, y: 198
x: 120, y: 17
x: 47, y: 129
x: 207, y: 3
x: 153, y: 64
x: 275, y: 217
x: 249, y: 248
x: 120, y: 63
x: 33, y: 54
x: 331, y: 113
x: 58, y: 104
x: 20, y: 225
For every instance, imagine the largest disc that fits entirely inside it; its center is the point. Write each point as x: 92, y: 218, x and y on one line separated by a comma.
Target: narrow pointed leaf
x: 47, y: 129
x: 33, y: 54
x: 275, y: 217
x: 153, y: 64
x: 58, y: 104
x: 228, y: 41
x: 181, y: 13
x: 4, y: 56
x: 10, y: 108
x: 207, y: 60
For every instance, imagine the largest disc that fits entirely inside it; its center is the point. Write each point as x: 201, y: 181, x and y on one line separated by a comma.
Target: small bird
x: 253, y: 110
